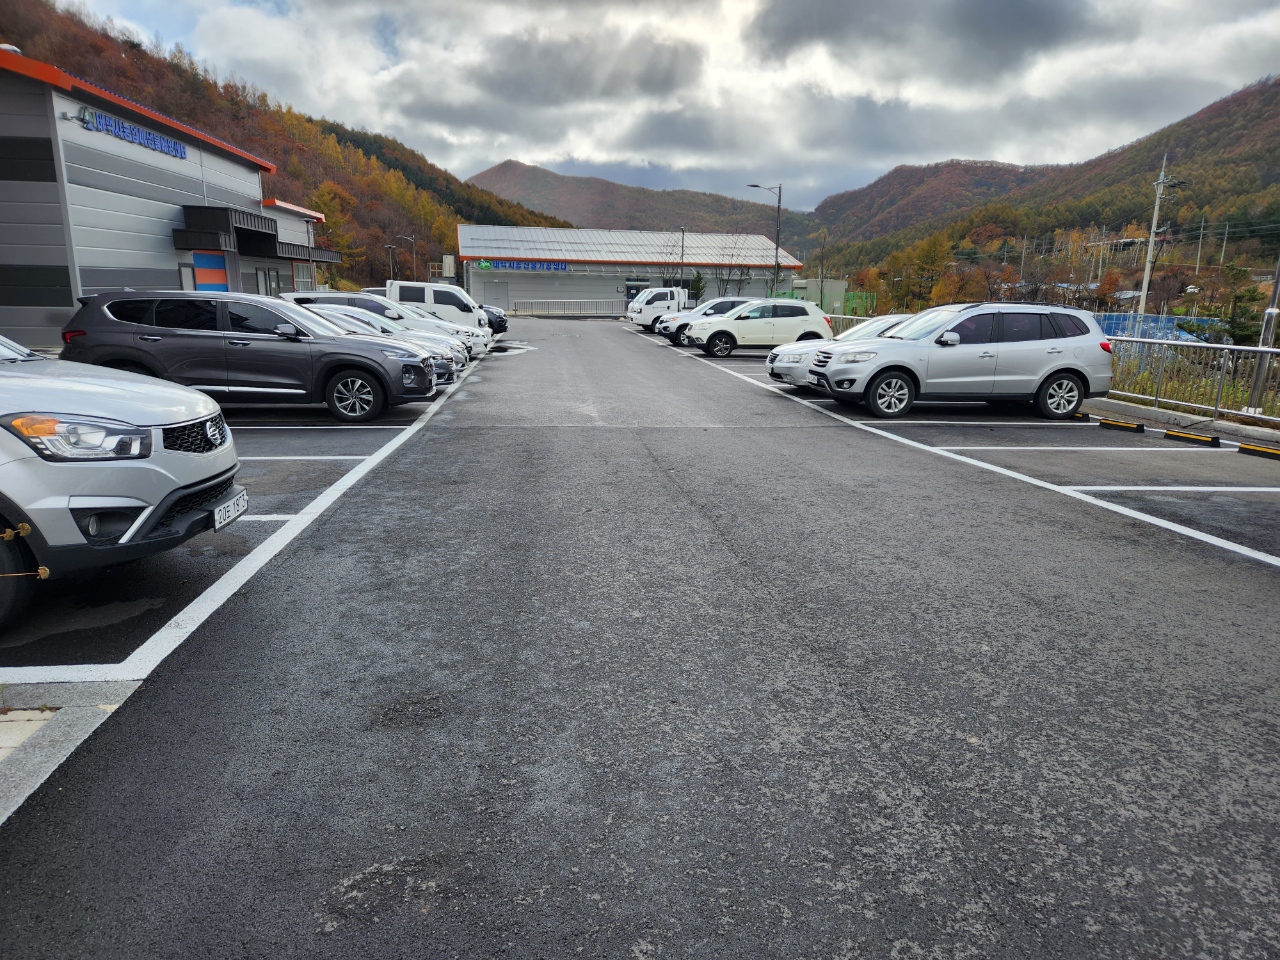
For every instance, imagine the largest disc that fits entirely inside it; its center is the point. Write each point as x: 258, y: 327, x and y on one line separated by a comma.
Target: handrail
x: 1198, y: 344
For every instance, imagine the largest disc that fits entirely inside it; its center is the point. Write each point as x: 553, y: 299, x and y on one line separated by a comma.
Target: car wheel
x: 15, y: 591
x: 682, y: 335
x: 354, y: 396
x: 719, y: 345
x: 1060, y: 396
x: 890, y: 395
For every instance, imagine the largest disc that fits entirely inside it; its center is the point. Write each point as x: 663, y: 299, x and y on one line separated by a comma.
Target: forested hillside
x: 371, y: 189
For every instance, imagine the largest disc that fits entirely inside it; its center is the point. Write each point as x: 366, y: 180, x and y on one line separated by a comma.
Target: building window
x: 303, y: 276
x: 186, y: 276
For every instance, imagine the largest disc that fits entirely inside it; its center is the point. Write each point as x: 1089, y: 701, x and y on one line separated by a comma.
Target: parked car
x: 368, y: 325
x: 244, y: 348
x: 977, y: 351
x: 445, y: 300
x: 651, y: 304
x: 790, y: 362
x: 403, y: 313
x: 675, y: 326
x: 760, y: 323
x: 100, y: 466
x: 454, y: 347
x: 497, y: 318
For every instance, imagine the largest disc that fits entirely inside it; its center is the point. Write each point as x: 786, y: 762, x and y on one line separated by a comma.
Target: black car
x: 497, y: 318
x: 243, y: 348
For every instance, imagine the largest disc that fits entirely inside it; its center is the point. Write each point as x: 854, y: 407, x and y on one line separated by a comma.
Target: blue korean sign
x: 102, y: 123
x: 521, y: 265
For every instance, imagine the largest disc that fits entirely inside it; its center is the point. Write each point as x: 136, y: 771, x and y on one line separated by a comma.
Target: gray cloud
x: 969, y: 38
x: 534, y: 67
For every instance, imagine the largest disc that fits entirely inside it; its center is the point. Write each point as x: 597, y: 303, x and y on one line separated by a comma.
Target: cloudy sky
x: 823, y: 95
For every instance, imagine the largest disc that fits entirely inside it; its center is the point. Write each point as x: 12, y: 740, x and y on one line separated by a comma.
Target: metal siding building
x: 520, y: 268
x: 98, y: 192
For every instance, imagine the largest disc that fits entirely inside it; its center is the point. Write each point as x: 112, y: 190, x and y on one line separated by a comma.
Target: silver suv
x: 100, y: 466
x: 1054, y: 356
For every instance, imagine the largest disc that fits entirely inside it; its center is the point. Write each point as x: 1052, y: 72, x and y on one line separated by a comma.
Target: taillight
x: 69, y: 335
x: 1106, y: 345
x: 827, y: 320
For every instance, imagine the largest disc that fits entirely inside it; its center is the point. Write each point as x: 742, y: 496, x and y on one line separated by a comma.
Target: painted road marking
x: 1182, y: 489
x: 245, y: 459
x: 1155, y: 521
x: 1098, y: 449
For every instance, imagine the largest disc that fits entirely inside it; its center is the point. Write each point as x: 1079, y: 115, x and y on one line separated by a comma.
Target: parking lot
x: 627, y: 652
x: 1214, y: 491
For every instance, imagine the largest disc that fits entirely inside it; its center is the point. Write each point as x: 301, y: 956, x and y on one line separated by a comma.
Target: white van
x: 656, y: 302
x: 443, y: 299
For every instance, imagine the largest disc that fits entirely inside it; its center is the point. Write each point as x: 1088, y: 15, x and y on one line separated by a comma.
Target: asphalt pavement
x: 626, y: 654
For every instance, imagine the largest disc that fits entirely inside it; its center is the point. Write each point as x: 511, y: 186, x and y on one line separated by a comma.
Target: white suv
x: 1053, y: 355
x: 790, y: 362
x: 675, y: 326
x: 760, y: 323
x: 100, y: 466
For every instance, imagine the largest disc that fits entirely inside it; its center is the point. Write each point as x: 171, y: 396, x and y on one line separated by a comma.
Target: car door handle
x: 239, y: 343
x: 1056, y: 350
x: 150, y: 339
x: 986, y: 356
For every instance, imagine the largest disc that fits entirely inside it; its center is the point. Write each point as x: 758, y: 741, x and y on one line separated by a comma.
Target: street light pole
x: 1268, y: 338
x: 777, y: 233
x: 391, y: 265
x: 413, y: 245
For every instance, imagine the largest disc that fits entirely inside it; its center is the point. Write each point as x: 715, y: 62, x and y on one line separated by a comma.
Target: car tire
x: 354, y: 396
x: 682, y: 337
x: 719, y: 345
x: 890, y: 395
x: 1060, y: 396
x: 15, y: 591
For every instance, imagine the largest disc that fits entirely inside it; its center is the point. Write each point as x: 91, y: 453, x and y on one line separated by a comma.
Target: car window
x: 449, y: 298
x: 1071, y: 326
x: 130, y: 311
x: 251, y: 318
x: 924, y: 324
x: 1020, y: 327
x: 1048, y: 330
x: 789, y: 310
x: 413, y: 294
x: 187, y: 314
x: 718, y: 308
x: 976, y: 329
x: 756, y: 313
x: 327, y: 301
x: 364, y: 303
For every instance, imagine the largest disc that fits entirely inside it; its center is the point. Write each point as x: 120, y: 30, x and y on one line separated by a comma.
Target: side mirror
x: 949, y: 339
x: 286, y: 330
x: 391, y: 314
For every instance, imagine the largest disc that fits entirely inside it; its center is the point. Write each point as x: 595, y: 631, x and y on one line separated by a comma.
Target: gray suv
x: 243, y: 348
x: 1054, y: 356
x: 101, y: 466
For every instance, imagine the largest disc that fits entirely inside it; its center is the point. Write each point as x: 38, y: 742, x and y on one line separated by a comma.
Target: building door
x: 495, y: 294
x: 634, y: 287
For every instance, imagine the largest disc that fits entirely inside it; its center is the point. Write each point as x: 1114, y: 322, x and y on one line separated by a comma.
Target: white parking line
x: 1222, y: 449
x: 1181, y: 489
x: 1169, y: 525
x: 167, y: 639
x: 243, y: 459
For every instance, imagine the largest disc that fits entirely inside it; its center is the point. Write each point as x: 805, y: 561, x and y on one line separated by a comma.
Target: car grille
x: 772, y: 358
x: 199, y: 437
x: 193, y: 501
x: 823, y: 358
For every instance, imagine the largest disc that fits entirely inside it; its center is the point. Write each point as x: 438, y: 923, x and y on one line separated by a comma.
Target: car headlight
x: 399, y: 354
x: 792, y: 358
x: 861, y: 357
x: 56, y: 436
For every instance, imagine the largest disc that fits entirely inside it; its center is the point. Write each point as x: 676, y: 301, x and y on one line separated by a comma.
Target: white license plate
x: 224, y: 513
x: 811, y: 379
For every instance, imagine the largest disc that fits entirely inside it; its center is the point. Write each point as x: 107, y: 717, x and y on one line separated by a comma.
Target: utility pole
x: 1024, y: 258
x: 1225, y: 230
x: 1200, y: 244
x: 1268, y: 339
x: 1151, y: 240
x: 682, y: 256
x: 777, y: 233
x: 413, y: 245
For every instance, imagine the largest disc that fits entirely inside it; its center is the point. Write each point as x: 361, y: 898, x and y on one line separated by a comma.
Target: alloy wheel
x: 892, y: 394
x: 1062, y: 396
x: 353, y: 397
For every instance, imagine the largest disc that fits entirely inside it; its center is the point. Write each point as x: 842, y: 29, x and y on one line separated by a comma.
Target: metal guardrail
x: 570, y: 308
x: 840, y: 323
x: 1207, y: 377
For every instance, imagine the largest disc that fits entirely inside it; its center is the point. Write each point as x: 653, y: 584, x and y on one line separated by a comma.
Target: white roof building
x: 530, y: 268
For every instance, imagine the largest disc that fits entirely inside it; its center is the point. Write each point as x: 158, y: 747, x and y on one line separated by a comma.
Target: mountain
x: 372, y: 189
x: 605, y: 205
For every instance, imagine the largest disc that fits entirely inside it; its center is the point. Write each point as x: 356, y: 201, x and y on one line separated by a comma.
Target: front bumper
x: 842, y: 383
x: 794, y: 374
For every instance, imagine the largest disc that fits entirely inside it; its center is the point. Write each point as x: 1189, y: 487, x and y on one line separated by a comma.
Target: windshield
x: 923, y: 324
x: 11, y: 352
x: 871, y: 329
x: 311, y: 322
x: 347, y: 323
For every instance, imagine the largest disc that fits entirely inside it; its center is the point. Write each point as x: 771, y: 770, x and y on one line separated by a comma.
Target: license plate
x: 812, y: 380
x: 224, y: 513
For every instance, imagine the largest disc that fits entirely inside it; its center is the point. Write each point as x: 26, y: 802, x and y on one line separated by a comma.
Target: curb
x: 1172, y: 418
